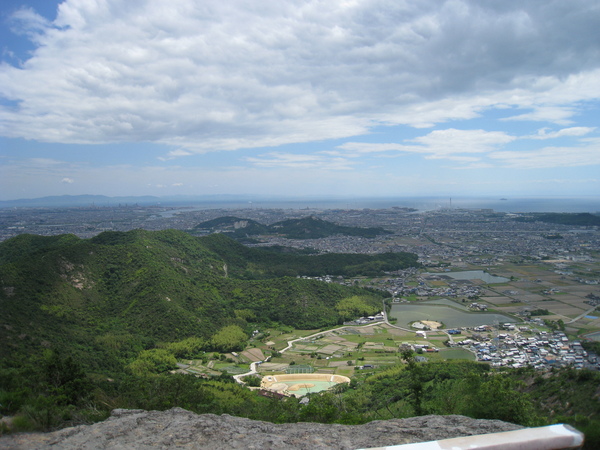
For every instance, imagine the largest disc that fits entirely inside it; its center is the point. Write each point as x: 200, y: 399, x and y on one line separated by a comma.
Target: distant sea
x: 516, y: 205
x: 508, y: 204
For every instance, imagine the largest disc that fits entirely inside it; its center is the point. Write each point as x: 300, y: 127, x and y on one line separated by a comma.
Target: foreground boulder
x: 178, y: 428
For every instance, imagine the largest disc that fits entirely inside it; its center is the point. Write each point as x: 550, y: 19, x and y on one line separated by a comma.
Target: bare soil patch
x: 254, y: 354
x: 431, y: 324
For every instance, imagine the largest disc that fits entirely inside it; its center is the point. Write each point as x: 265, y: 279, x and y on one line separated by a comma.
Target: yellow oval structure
x: 301, y: 384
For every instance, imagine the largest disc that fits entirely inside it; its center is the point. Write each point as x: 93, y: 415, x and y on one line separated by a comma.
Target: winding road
x: 239, y: 378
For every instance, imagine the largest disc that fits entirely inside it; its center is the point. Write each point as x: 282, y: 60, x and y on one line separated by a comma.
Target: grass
x: 455, y: 353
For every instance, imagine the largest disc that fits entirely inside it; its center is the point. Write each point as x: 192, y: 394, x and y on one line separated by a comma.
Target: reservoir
x: 473, y: 275
x: 450, y: 316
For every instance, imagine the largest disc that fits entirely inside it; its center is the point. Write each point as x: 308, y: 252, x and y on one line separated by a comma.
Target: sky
x: 340, y: 98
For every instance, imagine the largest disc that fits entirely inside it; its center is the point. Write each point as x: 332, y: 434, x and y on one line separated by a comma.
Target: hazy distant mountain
x: 239, y: 201
x: 78, y: 200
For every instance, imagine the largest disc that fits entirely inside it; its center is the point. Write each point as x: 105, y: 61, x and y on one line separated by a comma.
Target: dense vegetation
x: 129, y: 291
x: 52, y: 390
x: 578, y: 219
x: 261, y: 262
x: 305, y: 228
x: 233, y: 227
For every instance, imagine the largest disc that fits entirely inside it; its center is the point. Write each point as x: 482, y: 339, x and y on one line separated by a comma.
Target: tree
x: 355, y: 306
x: 65, y: 378
x: 416, y: 382
x: 229, y: 338
x: 188, y: 348
x: 153, y: 361
x: 497, y: 398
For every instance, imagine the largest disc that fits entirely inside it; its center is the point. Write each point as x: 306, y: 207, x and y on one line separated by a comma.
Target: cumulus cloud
x: 211, y: 75
x: 68, y: 180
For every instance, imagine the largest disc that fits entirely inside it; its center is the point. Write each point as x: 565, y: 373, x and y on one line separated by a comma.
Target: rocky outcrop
x: 178, y: 428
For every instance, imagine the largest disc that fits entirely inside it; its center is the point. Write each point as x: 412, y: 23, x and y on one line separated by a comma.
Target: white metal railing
x: 553, y: 437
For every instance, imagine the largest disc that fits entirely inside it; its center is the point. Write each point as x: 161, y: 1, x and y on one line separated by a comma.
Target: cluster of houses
x: 418, y: 348
x: 478, y: 306
x: 542, y: 351
x: 369, y: 319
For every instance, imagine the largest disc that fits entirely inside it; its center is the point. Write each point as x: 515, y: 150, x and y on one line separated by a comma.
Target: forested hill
x: 264, y: 262
x: 305, y: 228
x: 232, y: 226
x: 575, y: 219
x: 126, y: 291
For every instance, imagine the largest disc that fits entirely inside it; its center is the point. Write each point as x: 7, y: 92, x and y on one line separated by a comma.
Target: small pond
x: 473, y: 275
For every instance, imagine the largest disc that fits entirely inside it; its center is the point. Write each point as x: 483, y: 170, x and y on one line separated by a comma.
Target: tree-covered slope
x: 258, y: 262
x: 304, y: 228
x: 130, y: 290
x: 314, y: 228
x: 576, y: 219
x: 232, y: 226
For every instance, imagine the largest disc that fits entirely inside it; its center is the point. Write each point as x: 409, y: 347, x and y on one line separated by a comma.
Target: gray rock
x: 178, y: 428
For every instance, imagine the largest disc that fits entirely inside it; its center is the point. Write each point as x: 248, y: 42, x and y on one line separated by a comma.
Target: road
x: 239, y: 378
x: 582, y: 315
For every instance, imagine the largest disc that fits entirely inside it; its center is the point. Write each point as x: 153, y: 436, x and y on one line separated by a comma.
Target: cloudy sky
x: 300, y: 98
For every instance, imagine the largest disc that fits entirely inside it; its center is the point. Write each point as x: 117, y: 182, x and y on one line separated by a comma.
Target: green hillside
x: 314, y: 228
x: 232, y: 226
x: 89, y: 325
x: 305, y: 228
x: 262, y: 262
x: 576, y: 219
x: 135, y: 289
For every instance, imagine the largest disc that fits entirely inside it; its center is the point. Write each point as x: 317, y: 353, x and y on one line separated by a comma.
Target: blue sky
x: 372, y: 98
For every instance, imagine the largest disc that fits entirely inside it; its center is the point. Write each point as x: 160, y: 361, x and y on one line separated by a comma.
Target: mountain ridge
x: 161, y: 286
x: 309, y: 227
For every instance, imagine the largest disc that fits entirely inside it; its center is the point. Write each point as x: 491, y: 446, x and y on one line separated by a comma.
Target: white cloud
x: 549, y: 157
x: 555, y: 114
x: 41, y: 162
x: 452, y: 141
x: 175, y: 154
x: 300, y: 161
x: 27, y: 22
x: 570, y: 132
x: 67, y: 180
x: 450, y: 144
x: 211, y: 75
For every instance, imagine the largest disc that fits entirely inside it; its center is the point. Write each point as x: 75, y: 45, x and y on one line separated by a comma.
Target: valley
x: 444, y: 305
